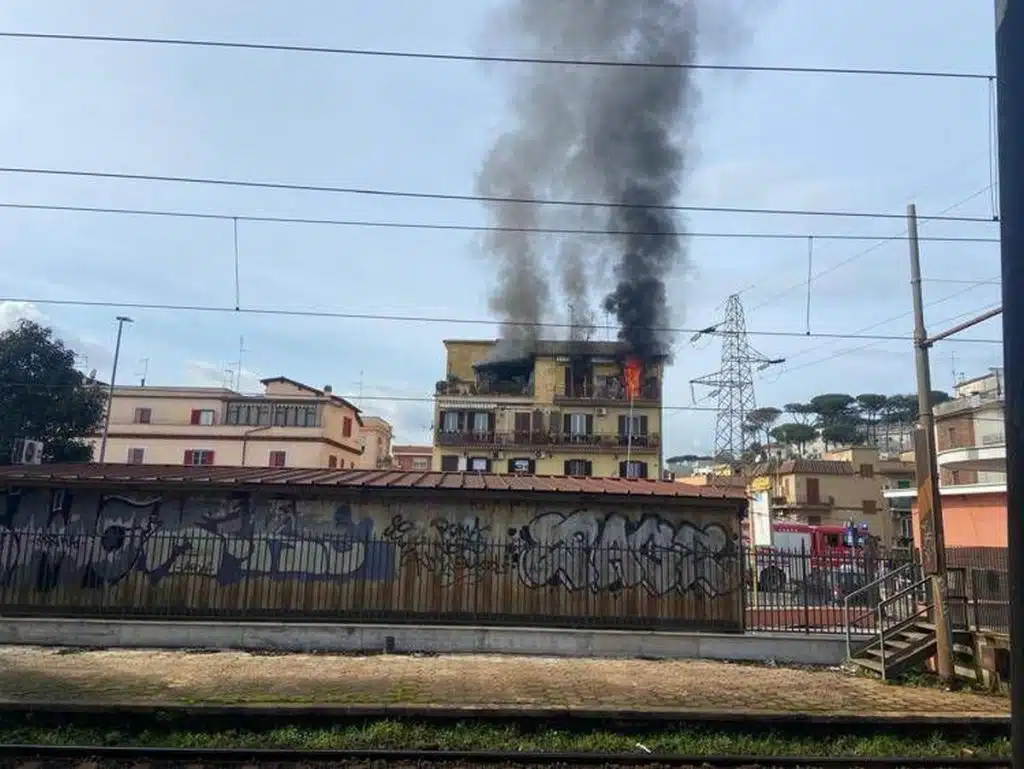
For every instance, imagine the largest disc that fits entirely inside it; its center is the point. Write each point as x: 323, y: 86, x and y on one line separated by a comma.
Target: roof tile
x: 220, y: 477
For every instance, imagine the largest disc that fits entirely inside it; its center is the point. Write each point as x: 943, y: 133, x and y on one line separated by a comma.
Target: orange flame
x: 631, y: 374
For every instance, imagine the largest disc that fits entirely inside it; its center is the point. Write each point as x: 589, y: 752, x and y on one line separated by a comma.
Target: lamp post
x: 121, y: 320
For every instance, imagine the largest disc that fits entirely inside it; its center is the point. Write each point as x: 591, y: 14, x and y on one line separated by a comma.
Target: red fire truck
x: 799, y: 552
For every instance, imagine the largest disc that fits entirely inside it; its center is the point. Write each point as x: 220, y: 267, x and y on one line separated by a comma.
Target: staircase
x: 898, y: 607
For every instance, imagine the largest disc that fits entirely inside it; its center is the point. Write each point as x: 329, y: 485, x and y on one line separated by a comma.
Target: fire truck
x: 800, y: 552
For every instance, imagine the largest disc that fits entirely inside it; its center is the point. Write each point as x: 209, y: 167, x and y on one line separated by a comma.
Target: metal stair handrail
x: 894, y: 574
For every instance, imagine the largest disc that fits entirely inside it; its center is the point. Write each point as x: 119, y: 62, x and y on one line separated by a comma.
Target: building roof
x: 409, y: 448
x: 391, y: 480
x: 317, y: 392
x: 806, y: 467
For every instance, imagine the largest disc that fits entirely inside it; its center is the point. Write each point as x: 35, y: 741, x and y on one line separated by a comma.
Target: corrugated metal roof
x: 398, y: 480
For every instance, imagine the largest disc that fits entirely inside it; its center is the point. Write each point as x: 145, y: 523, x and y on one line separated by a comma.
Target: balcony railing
x: 613, y: 391
x: 460, y: 389
x: 541, y: 439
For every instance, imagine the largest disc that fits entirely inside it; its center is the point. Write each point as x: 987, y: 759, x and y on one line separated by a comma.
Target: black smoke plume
x: 607, y: 133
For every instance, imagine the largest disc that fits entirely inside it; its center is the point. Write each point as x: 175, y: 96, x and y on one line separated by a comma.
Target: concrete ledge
x: 409, y: 639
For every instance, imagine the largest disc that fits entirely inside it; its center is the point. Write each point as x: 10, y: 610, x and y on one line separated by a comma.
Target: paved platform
x: 807, y: 649
x: 470, y: 682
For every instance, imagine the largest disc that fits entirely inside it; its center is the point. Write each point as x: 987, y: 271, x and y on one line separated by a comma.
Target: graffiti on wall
x: 612, y: 552
x: 96, y: 540
x: 576, y: 550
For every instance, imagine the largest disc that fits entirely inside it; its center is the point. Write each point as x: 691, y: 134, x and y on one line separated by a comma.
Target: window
x: 202, y: 417
x: 277, y: 458
x: 479, y: 464
x: 578, y: 467
x: 198, y: 457
x: 346, y: 427
x: 420, y: 463
x: 813, y: 492
x: 136, y: 456
x: 869, y: 506
x: 143, y: 416
x: 814, y: 520
x: 450, y: 421
x: 634, y: 426
x: 522, y: 465
x: 632, y: 469
x: 253, y: 414
x: 903, y: 484
x: 332, y: 460
x: 522, y: 424
x: 481, y: 422
x: 579, y: 427
x: 867, y: 471
x: 450, y: 463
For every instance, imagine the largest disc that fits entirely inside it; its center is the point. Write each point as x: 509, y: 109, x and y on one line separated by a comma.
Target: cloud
x: 11, y: 313
x: 200, y: 373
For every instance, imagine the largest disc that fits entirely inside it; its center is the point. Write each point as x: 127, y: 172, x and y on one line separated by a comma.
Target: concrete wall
x: 222, y: 554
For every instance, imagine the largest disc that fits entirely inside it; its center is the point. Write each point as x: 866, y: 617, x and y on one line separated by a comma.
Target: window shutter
x: 209, y: 458
x: 441, y: 420
x: 567, y: 467
x: 511, y: 466
x: 461, y: 422
x: 588, y: 467
x: 567, y: 423
x: 623, y: 424
x: 623, y: 468
x: 643, y: 424
x: 643, y: 469
x: 590, y: 424
x: 196, y: 414
x: 491, y: 420
x: 533, y: 467
x: 188, y: 456
x: 487, y: 465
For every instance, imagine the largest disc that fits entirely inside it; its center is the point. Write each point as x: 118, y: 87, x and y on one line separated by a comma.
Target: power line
x: 392, y: 54
x: 200, y: 308
x: 351, y: 398
x: 367, y: 223
x: 296, y: 187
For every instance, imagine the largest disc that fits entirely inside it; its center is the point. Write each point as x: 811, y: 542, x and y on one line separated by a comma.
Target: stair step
x: 929, y: 626
x: 962, y: 671
x: 875, y: 665
x: 963, y: 649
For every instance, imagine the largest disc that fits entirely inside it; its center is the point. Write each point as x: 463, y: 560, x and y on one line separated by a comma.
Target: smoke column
x: 618, y: 134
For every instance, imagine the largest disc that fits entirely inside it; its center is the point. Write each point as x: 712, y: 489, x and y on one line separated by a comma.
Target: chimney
x: 327, y: 389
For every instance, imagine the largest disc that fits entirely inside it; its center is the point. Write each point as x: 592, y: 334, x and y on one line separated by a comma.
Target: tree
x: 801, y: 412
x: 758, y: 422
x: 794, y: 434
x: 871, y: 406
x: 43, y: 397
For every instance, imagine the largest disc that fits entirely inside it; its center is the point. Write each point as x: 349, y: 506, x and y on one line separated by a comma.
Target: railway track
x: 94, y: 757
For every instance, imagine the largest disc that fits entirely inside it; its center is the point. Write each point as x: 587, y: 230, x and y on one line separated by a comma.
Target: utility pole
x: 929, y: 501
x: 121, y: 320
x: 1010, y: 112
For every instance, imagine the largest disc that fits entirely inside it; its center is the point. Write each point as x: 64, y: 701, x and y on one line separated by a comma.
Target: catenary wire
x: 465, y: 197
x: 282, y: 312
x: 492, y: 59
x: 902, y: 236
x: 368, y: 223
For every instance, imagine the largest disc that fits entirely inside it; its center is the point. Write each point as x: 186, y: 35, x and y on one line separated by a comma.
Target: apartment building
x: 970, y: 447
x: 290, y: 424
x: 845, y: 485
x: 376, y: 434
x: 548, y: 407
x: 412, y: 457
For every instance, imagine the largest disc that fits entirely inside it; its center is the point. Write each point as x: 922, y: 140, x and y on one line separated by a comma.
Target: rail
x: 876, y: 611
x: 255, y: 757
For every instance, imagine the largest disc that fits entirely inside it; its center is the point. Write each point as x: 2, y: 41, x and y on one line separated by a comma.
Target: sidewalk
x: 29, y: 674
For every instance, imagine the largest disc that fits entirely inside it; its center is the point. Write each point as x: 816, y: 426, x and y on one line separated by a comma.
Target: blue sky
x: 764, y: 140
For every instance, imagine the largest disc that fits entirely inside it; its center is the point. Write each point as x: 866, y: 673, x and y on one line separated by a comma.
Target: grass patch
x: 396, y: 734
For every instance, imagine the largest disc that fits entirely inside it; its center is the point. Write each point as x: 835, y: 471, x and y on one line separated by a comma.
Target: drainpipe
x: 245, y: 438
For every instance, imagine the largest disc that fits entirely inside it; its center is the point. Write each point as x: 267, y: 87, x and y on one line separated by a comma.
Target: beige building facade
x: 290, y: 424
x: 548, y: 408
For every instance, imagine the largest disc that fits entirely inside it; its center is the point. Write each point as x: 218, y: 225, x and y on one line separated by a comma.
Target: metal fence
x: 461, y: 579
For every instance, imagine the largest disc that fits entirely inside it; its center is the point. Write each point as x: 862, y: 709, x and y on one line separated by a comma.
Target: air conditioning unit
x: 26, y: 452
x: 602, y: 412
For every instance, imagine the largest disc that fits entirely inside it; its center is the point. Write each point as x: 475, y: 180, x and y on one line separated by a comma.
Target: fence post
x: 807, y: 603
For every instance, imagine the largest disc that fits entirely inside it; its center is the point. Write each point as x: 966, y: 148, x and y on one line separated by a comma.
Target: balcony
x: 612, y: 392
x: 976, y: 402
x: 540, y: 440
x: 988, y: 458
x: 457, y: 388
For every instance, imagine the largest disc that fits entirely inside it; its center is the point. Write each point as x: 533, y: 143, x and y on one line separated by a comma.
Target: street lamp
x: 121, y: 320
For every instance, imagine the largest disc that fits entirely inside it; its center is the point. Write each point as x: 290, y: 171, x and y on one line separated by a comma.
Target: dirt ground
x: 237, y: 678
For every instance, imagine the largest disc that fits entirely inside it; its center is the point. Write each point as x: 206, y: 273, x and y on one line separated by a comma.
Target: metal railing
x: 542, y: 438
x: 614, y: 391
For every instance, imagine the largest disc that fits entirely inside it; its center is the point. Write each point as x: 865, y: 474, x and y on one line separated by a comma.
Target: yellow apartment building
x: 845, y: 485
x: 288, y: 425
x: 376, y: 436
x: 547, y: 408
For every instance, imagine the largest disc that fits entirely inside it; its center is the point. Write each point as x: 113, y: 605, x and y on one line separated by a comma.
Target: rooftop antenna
x: 242, y: 350
x: 144, y: 363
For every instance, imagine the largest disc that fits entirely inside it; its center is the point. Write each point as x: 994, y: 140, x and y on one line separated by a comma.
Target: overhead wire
x: 283, y: 312
x: 370, y: 223
x: 466, y: 197
x: 493, y: 59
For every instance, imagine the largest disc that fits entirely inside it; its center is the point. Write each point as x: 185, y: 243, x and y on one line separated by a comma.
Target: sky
x: 781, y: 141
